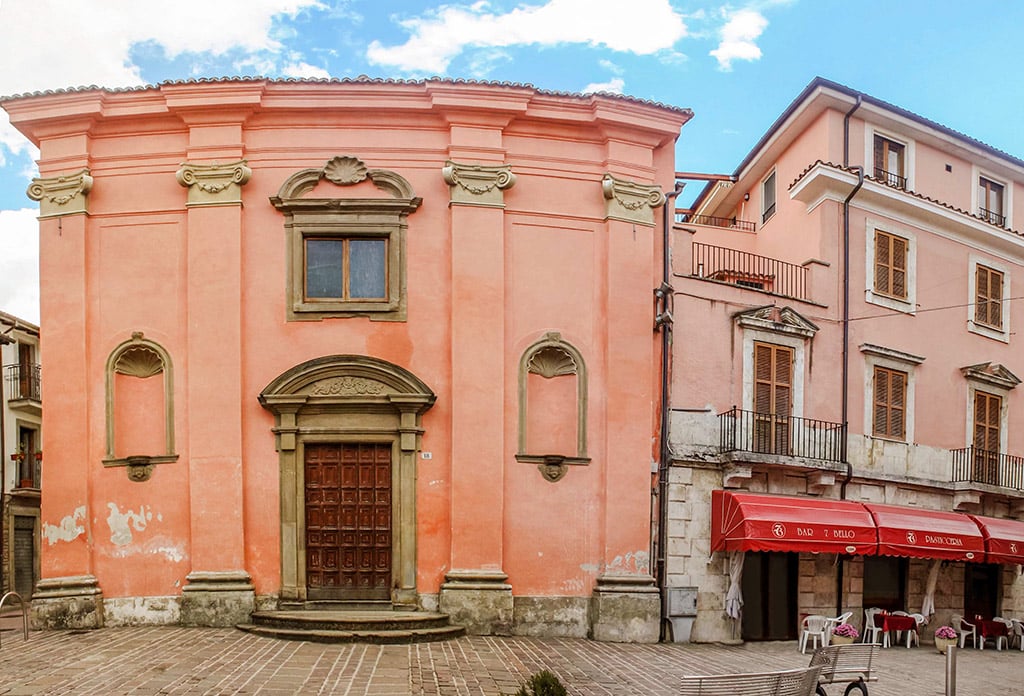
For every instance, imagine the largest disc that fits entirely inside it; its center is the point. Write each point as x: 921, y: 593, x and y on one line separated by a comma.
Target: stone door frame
x: 347, y: 398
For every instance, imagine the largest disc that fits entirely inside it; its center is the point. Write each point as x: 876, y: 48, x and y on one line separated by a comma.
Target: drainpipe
x: 846, y: 334
x: 4, y: 340
x: 663, y: 322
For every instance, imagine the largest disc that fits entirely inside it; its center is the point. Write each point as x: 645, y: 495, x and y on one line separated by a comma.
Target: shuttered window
x: 987, y: 412
x: 890, y: 265
x: 773, y: 379
x: 890, y: 403
x: 988, y: 300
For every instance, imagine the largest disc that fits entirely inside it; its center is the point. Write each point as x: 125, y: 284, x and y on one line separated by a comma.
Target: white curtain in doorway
x: 734, y: 599
x: 928, y: 603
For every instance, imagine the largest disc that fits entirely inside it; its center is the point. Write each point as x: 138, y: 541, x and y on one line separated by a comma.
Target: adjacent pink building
x: 852, y: 286
x: 361, y: 341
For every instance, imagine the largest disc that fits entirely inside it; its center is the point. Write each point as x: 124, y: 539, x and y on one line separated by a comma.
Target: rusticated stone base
x: 142, y: 611
x: 217, y: 598
x: 551, y: 617
x: 625, y: 609
x: 68, y: 602
x: 479, y: 600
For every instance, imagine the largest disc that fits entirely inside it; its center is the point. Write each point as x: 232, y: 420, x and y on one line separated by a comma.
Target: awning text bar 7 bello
x: 758, y: 522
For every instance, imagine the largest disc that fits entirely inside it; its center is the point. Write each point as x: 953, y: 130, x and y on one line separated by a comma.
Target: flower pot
x: 942, y: 643
x: 841, y: 640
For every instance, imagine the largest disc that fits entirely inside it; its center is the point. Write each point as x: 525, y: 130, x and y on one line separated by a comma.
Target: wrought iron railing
x: 891, y: 179
x: 974, y: 465
x: 749, y: 270
x: 715, y: 221
x: 764, y: 433
x: 23, y: 381
x: 992, y: 216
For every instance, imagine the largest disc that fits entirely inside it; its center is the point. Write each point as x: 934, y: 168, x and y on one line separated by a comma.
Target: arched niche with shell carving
x: 139, y: 407
x: 552, y: 407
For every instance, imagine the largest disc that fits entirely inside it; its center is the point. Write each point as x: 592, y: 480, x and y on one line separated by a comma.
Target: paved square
x: 148, y: 661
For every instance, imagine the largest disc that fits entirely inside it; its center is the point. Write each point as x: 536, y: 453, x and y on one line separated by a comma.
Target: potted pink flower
x: 944, y: 637
x: 844, y: 633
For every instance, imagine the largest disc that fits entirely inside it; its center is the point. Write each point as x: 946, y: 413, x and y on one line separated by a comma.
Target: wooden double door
x: 348, y: 521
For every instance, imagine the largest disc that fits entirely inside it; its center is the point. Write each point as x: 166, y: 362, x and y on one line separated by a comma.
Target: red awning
x: 1004, y: 539
x: 919, y: 533
x: 757, y: 522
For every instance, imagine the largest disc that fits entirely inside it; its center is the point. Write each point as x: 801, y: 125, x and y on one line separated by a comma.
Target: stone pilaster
x: 66, y: 194
x: 68, y: 602
x: 481, y: 601
x: 625, y: 609
x: 215, y: 598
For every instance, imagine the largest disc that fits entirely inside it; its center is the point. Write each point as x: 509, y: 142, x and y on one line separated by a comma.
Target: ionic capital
x: 214, y: 184
x: 475, y: 184
x: 629, y: 201
x: 62, y: 195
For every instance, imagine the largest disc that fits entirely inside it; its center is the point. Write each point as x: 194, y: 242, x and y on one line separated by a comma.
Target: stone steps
x: 353, y: 626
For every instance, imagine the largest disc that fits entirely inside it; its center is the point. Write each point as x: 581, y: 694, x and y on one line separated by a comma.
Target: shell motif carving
x: 345, y: 171
x: 139, y: 361
x: 552, y: 361
x: 348, y: 386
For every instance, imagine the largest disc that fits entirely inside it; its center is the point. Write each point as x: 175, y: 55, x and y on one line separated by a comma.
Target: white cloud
x: 611, y: 67
x: 301, y: 69
x: 738, y: 36
x: 19, y: 263
x: 441, y: 35
x: 50, y: 44
x: 614, y: 86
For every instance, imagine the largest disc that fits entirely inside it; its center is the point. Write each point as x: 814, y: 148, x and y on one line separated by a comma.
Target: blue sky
x: 737, y: 65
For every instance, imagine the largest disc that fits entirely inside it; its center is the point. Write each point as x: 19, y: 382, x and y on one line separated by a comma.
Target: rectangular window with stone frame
x: 345, y: 269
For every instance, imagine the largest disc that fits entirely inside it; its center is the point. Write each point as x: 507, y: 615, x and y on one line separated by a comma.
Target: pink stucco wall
x: 208, y: 285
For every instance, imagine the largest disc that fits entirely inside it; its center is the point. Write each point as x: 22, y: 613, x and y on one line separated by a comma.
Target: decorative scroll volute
x: 62, y: 195
x: 214, y: 184
x: 475, y: 184
x: 629, y: 201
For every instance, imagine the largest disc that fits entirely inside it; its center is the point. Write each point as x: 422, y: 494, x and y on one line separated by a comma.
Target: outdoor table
x: 895, y: 622
x: 988, y: 628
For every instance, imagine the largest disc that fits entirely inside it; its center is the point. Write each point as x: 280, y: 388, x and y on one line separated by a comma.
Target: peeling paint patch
x: 70, y: 527
x: 171, y: 550
x: 122, y: 523
x: 632, y: 562
x: 590, y: 568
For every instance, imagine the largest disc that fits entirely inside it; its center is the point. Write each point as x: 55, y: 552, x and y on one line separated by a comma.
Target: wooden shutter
x: 987, y: 411
x: 890, y: 403
x: 773, y: 379
x: 890, y: 265
x: 988, y: 307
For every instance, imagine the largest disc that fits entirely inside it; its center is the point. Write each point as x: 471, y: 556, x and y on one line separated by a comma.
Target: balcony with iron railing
x: 749, y: 270
x: 992, y: 216
x: 787, y: 436
x: 891, y: 179
x: 23, y: 382
x: 974, y: 465
x: 730, y: 223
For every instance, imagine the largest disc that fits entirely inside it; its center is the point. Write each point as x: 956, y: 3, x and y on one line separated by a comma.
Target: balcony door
x: 773, y: 398
x: 987, y: 433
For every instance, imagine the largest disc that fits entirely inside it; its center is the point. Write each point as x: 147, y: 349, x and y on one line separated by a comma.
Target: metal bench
x: 846, y: 663
x: 790, y: 682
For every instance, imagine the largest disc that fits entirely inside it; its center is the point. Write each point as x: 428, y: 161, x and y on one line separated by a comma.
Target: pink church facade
x: 353, y: 341
x: 853, y: 398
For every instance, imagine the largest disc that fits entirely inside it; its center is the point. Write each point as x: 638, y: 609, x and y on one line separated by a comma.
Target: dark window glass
x: 367, y: 268
x: 885, y: 583
x: 324, y: 264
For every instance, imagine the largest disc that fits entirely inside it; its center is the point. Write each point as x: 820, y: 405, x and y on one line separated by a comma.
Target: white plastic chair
x: 899, y: 634
x: 871, y: 631
x: 813, y: 627
x: 964, y: 629
x: 1018, y: 633
x: 830, y: 624
x: 915, y: 635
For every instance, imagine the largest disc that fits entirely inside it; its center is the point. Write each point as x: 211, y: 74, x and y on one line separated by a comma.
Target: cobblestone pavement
x: 169, y: 660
